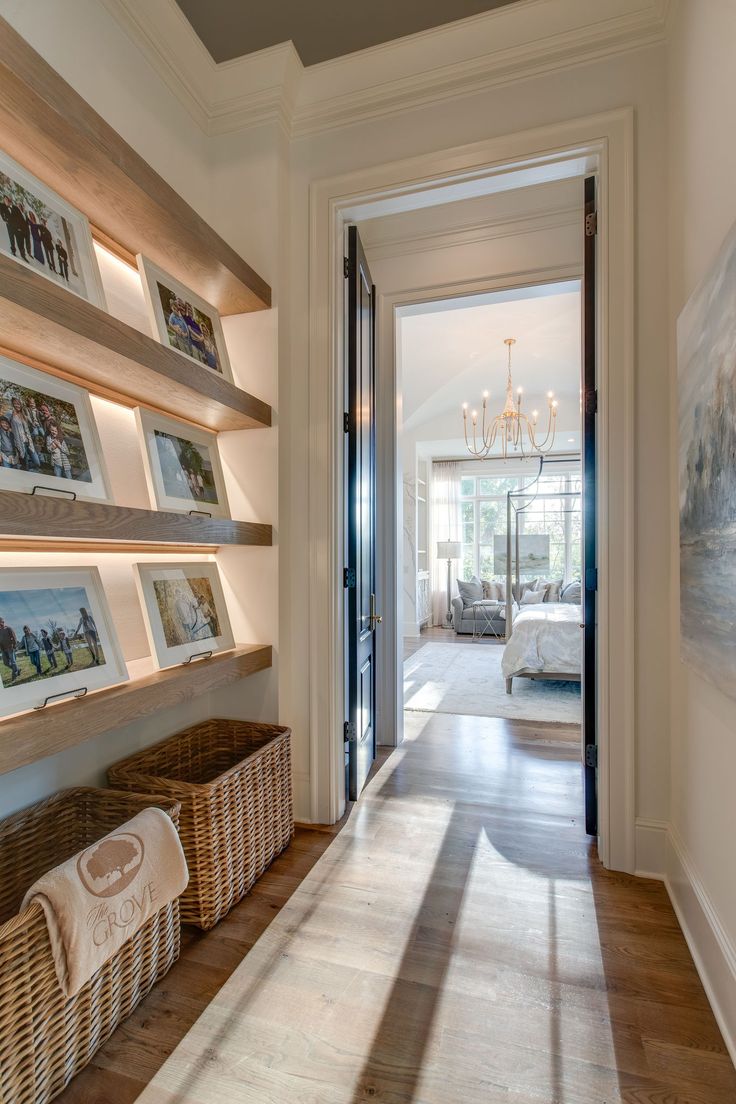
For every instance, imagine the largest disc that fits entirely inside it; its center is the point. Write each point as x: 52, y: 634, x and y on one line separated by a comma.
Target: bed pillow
x: 572, y: 593
x: 470, y: 590
x: 532, y: 597
x: 494, y: 592
x: 530, y: 584
x: 552, y: 589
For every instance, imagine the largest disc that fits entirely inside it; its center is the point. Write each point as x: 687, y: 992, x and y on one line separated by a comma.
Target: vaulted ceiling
x: 319, y: 29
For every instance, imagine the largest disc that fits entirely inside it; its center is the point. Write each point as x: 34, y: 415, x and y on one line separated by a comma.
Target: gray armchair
x: 492, y: 617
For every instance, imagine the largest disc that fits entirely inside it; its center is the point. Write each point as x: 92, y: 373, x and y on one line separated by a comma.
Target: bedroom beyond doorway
x: 492, y: 544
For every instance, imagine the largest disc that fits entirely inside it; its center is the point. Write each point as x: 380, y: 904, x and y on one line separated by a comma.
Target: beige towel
x: 97, y: 900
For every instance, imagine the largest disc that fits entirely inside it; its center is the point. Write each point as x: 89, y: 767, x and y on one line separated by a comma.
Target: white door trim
x: 606, y: 141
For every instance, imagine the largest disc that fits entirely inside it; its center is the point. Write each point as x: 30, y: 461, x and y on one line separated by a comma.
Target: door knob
x: 375, y: 618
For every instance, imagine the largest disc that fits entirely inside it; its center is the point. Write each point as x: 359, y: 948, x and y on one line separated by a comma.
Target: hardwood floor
x: 437, y: 635
x: 457, y: 942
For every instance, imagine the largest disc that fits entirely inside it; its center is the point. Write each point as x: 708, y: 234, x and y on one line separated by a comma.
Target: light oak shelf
x: 51, y: 130
x: 51, y: 327
x: 43, y: 522
x: 28, y: 737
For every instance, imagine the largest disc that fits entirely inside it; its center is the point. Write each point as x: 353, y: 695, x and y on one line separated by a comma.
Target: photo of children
x: 190, y: 330
x: 40, y: 434
x: 46, y: 632
x: 187, y: 610
x: 39, y: 236
x: 186, y: 468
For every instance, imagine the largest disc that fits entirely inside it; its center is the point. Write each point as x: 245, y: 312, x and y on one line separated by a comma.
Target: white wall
x: 702, y: 210
x: 636, y: 79
x: 235, y: 184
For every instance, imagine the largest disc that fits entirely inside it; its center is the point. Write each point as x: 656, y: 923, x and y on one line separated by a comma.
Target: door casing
x: 602, y: 144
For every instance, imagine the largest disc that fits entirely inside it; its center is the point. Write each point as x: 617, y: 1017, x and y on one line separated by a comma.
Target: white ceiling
x: 450, y: 351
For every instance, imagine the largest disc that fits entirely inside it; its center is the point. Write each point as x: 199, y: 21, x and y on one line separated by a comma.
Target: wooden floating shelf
x: 41, y: 522
x: 29, y: 737
x: 51, y: 130
x: 47, y: 325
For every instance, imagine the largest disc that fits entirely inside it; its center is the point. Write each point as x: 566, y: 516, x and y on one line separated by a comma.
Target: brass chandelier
x: 514, y: 431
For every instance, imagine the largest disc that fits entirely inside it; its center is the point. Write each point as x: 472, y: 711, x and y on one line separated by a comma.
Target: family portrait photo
x: 184, y: 321
x: 187, y: 610
x: 190, y: 330
x: 186, y: 468
x: 43, y: 233
x: 48, y: 436
x: 41, y: 434
x: 47, y: 632
x: 182, y: 465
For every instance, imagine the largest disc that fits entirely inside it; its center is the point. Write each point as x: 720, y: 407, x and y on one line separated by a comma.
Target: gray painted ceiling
x: 320, y: 29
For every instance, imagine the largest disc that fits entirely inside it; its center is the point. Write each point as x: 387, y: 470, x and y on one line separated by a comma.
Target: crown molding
x: 498, y: 47
x: 470, y: 233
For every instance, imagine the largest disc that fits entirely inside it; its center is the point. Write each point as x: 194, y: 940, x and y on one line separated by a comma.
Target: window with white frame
x: 555, y: 510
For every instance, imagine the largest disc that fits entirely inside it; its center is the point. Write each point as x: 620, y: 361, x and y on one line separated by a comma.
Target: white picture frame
x: 179, y: 626
x: 27, y: 458
x: 41, y: 597
x: 160, y: 288
x: 173, y: 484
x: 68, y: 259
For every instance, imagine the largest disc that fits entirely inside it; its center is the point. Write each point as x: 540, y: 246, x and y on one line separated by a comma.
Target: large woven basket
x: 233, y: 779
x: 46, y: 1038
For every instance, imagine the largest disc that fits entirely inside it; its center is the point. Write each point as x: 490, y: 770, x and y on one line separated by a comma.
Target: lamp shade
x: 449, y: 550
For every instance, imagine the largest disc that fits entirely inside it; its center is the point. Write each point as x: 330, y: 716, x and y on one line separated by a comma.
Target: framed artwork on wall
x: 48, y: 436
x: 184, y: 321
x: 533, y: 553
x: 706, y: 367
x: 56, y: 636
x: 46, y: 234
x: 185, y: 610
x: 182, y: 464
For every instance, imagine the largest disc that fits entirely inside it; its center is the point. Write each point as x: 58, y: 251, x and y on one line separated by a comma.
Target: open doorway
x: 494, y: 168
x: 491, y: 549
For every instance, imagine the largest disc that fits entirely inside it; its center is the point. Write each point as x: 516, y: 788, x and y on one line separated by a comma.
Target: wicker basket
x: 45, y: 1038
x: 233, y: 779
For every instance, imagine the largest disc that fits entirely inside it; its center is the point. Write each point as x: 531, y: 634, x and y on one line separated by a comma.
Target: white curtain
x: 444, y: 500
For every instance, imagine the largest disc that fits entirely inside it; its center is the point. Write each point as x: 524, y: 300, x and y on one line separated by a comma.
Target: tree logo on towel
x: 110, y: 866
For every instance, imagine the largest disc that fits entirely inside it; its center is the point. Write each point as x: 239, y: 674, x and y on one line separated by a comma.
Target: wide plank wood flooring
x: 456, y: 943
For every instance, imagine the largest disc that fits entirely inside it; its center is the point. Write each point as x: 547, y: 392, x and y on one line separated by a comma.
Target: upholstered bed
x: 546, y: 642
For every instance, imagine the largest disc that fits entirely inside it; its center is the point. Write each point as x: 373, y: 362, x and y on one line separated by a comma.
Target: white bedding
x: 546, y: 637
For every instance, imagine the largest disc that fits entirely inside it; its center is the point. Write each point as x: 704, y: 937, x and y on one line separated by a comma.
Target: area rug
x: 455, y: 678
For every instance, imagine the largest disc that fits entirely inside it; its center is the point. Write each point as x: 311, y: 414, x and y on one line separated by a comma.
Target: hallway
x: 459, y: 942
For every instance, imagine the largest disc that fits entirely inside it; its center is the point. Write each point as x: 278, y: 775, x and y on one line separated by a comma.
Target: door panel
x: 360, y: 519
x: 590, y: 549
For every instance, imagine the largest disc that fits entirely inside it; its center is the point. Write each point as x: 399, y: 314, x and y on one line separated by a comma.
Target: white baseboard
x: 411, y: 629
x: 710, y: 945
x: 651, y: 848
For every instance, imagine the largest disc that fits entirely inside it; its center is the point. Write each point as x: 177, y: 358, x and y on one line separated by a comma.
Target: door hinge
x: 591, y: 756
x: 591, y: 224
x: 348, y: 577
x: 591, y: 578
x: 346, y: 422
x: 591, y: 401
x: 348, y: 731
x: 346, y: 267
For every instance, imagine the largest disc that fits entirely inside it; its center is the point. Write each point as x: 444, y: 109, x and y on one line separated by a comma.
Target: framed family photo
x: 184, y: 321
x: 56, y: 635
x: 46, y: 234
x: 182, y: 464
x: 48, y: 436
x: 185, y: 610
